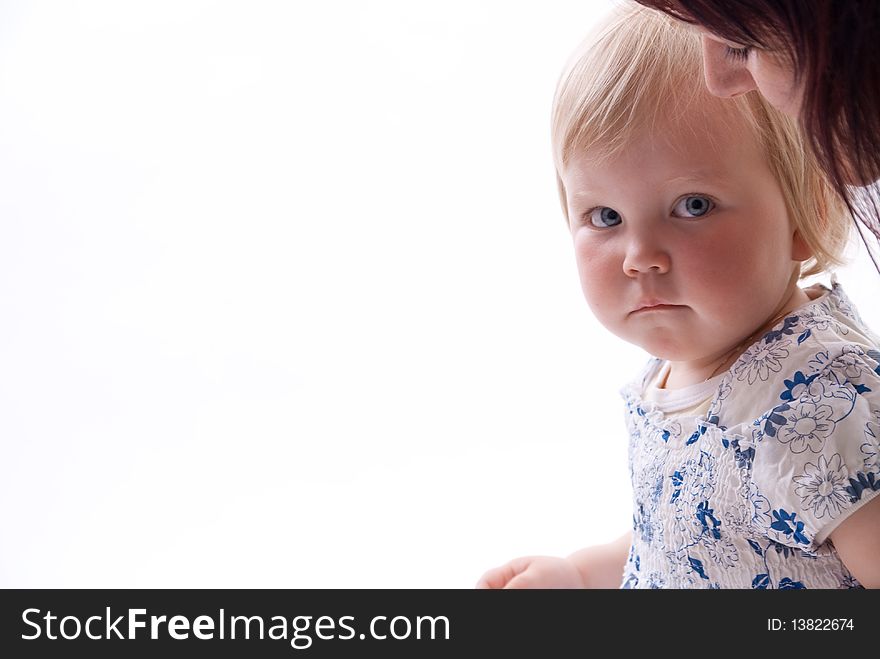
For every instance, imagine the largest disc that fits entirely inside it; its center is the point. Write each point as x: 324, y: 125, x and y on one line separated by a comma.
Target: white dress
x: 743, y: 491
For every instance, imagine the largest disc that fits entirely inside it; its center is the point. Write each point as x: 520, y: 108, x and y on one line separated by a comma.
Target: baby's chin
x: 672, y: 350
x: 669, y: 347
x: 670, y: 343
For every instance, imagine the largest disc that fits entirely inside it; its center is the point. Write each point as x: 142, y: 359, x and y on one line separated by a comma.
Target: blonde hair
x: 641, y: 68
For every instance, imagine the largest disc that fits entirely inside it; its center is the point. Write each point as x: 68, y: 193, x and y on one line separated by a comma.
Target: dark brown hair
x: 834, y: 49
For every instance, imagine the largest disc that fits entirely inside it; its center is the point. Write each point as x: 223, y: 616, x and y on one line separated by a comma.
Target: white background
x: 286, y: 298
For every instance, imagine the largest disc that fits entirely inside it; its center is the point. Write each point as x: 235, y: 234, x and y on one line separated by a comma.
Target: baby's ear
x: 800, y: 251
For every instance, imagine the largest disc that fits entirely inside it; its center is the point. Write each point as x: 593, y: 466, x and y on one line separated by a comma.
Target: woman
x: 818, y: 60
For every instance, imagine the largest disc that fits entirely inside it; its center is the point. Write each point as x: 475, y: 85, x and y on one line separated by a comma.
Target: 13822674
x: 810, y: 624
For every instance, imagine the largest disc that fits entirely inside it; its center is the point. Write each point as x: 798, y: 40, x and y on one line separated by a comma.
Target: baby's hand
x: 533, y: 572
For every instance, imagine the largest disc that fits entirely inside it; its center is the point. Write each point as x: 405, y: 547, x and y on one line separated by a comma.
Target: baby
x: 755, y: 429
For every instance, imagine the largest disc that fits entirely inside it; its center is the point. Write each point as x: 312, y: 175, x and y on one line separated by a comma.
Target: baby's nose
x: 644, y: 256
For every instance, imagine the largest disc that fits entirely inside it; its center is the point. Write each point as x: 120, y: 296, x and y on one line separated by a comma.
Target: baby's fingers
x: 495, y: 578
x: 499, y: 577
x: 524, y: 580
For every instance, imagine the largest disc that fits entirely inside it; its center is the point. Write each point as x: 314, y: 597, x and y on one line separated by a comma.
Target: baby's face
x: 690, y: 217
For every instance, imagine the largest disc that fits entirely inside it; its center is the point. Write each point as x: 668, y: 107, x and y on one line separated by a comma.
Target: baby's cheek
x: 599, y: 276
x: 720, y: 288
x: 714, y: 266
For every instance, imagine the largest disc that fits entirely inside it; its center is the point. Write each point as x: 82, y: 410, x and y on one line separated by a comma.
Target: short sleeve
x: 817, y: 453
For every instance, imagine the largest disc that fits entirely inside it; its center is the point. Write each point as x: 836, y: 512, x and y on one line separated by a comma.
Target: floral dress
x: 746, y: 495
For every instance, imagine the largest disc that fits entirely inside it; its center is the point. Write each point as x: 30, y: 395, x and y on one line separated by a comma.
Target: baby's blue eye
x: 693, y: 206
x: 602, y: 214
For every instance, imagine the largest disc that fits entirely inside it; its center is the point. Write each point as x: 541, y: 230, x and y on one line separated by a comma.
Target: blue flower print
x: 724, y: 390
x: 775, y: 418
x: 677, y: 480
x: 823, y: 486
x: 722, y: 552
x: 797, y: 386
x: 656, y: 581
x: 658, y: 490
x: 760, y: 359
x: 672, y: 429
x: 783, y: 525
x: 697, y: 486
x: 861, y: 483
x: 743, y: 450
x: 872, y: 455
x: 819, y: 360
x: 806, y: 427
x: 660, y: 426
x: 851, y: 367
x: 782, y: 549
x: 871, y: 448
x: 701, y: 429
x: 760, y: 507
x: 849, y: 581
x: 742, y: 506
x: 698, y: 478
x: 787, y: 324
x: 697, y: 566
x: 788, y: 584
x: 852, y: 360
x: 706, y: 516
x: 643, y: 524
x: 818, y: 320
x: 847, y: 310
x: 761, y: 582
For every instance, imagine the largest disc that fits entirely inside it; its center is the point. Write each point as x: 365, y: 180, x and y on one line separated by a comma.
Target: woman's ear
x: 800, y: 251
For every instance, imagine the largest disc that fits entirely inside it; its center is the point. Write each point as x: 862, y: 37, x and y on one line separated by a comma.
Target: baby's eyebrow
x: 586, y: 192
x: 702, y: 176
